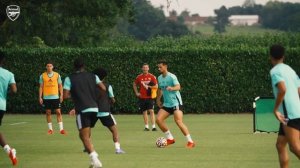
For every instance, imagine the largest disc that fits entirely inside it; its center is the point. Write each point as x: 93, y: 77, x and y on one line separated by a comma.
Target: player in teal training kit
x: 169, y: 88
x: 7, y: 79
x: 286, y: 89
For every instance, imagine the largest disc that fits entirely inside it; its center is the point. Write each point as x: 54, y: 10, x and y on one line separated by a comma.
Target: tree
x: 151, y: 22
x: 282, y: 16
x: 63, y: 23
x: 221, y: 19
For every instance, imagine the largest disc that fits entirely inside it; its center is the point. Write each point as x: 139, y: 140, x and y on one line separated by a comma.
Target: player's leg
x: 86, y: 121
x: 178, y: 118
x: 60, y: 121
x: 47, y: 104
x: 152, y: 117
x: 110, y: 122
x: 10, y: 151
x: 161, y: 116
x: 57, y: 106
x: 49, y: 121
x: 145, y: 117
x: 293, y: 139
x: 282, y: 151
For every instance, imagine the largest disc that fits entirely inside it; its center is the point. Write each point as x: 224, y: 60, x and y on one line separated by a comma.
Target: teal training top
x: 171, y: 98
x: 6, y: 78
x: 291, y: 104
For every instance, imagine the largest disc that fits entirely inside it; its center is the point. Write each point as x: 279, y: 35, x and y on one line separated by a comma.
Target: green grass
x: 234, y: 30
x: 222, y: 141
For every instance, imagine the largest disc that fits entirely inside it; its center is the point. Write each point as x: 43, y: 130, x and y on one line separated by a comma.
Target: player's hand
x: 145, y: 86
x: 169, y: 88
x: 72, y: 112
x: 41, y: 101
x: 61, y: 99
x: 159, y: 104
x: 137, y: 94
x: 280, y: 117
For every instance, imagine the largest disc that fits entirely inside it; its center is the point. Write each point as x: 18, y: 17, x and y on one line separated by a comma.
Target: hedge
x: 213, y: 79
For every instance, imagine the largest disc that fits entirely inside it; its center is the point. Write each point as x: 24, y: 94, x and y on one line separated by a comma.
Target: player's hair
x: 2, y: 57
x: 100, y: 72
x: 49, y: 62
x: 78, y: 63
x: 145, y: 64
x: 162, y: 61
x: 277, y: 51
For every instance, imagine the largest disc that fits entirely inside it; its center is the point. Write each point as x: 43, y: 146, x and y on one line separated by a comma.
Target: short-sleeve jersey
x: 6, y: 78
x: 171, y: 98
x: 146, y: 79
x: 290, y: 107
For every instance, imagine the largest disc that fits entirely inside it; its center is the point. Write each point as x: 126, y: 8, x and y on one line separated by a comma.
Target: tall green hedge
x: 213, y: 79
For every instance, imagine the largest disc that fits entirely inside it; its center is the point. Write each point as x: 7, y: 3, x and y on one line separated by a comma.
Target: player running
x: 51, y: 96
x: 104, y: 104
x: 7, y: 79
x: 81, y: 85
x: 286, y: 89
x: 168, y: 87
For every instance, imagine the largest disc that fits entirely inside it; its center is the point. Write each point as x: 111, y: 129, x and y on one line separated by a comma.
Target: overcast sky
x: 205, y: 7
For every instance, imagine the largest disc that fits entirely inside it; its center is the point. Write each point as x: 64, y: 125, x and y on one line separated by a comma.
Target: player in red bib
x: 147, y: 84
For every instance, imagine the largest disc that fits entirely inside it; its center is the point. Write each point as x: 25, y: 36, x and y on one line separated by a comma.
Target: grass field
x: 222, y: 141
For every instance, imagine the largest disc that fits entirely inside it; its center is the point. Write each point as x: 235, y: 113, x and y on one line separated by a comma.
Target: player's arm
x: 41, y: 93
x: 13, y: 88
x: 67, y: 88
x: 280, y: 96
x: 60, y: 89
x: 174, y: 88
x: 135, y: 89
x: 100, y: 85
x: 158, y: 98
x: 111, y: 94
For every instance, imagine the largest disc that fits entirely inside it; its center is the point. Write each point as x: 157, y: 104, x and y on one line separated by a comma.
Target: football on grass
x: 161, y: 142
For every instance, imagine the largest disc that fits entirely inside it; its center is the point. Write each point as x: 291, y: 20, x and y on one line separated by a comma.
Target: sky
x: 205, y: 7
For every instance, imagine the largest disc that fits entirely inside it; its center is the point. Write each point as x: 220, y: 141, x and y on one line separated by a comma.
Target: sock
x: 117, y: 145
x: 146, y: 126
x: 61, y: 127
x: 6, y: 148
x: 153, y: 125
x: 169, y: 135
x: 50, y: 126
x: 189, y: 138
x: 93, y: 154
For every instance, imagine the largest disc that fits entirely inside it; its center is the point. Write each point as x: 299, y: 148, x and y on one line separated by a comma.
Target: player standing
x: 286, y: 89
x: 7, y: 79
x: 147, y: 84
x: 51, y: 96
x: 81, y: 86
x: 168, y: 87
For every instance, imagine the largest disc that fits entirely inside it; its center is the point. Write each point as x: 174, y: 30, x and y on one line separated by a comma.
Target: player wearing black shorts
x: 51, y: 96
x: 105, y: 105
x: 82, y: 86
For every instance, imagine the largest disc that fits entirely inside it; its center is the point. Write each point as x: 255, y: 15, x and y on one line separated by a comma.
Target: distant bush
x: 218, y: 74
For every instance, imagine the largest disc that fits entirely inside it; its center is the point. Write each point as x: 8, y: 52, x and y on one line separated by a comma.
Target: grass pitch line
x: 19, y: 123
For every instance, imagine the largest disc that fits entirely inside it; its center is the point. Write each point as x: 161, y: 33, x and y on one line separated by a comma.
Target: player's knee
x: 178, y: 121
x: 280, y: 146
x: 158, y: 120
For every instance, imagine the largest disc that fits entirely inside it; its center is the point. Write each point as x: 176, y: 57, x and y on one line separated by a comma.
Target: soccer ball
x: 161, y: 142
